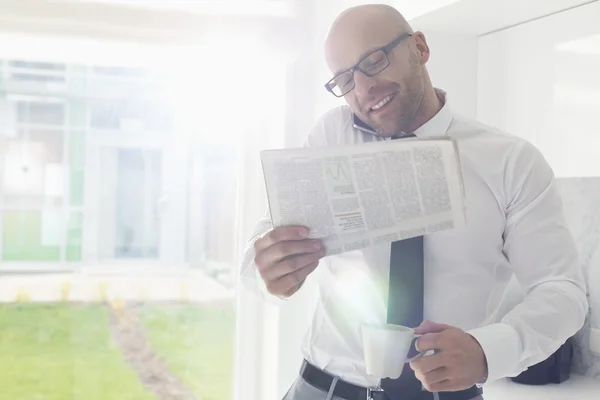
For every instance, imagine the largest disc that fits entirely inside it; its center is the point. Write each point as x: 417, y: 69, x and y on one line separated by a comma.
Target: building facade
x: 97, y: 170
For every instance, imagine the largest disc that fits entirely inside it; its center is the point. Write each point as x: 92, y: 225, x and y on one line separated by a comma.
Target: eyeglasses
x: 370, y: 65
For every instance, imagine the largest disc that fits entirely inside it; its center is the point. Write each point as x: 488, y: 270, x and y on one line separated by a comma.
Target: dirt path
x: 130, y: 338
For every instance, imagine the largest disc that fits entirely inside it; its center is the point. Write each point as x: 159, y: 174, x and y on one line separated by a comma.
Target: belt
x: 348, y: 391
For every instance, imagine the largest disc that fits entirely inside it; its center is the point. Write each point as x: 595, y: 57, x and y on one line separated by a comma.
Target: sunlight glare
x: 359, y: 294
x: 226, y: 82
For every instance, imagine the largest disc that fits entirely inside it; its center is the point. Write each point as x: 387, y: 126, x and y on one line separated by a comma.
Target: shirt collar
x: 439, y: 124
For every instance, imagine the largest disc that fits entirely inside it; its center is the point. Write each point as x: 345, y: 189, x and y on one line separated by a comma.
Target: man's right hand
x: 285, y: 257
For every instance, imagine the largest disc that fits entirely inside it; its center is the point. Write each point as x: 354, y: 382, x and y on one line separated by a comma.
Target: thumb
x: 430, y: 327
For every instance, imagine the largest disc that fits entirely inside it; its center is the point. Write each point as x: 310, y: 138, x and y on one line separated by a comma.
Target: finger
x: 291, y: 264
x: 430, y: 327
x: 433, y: 377
x: 290, y: 281
x: 429, y: 341
x: 280, y: 251
x: 283, y: 250
x: 426, y: 364
x: 280, y: 234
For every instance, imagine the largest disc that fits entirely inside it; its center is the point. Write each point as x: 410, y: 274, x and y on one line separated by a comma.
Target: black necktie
x: 405, y: 307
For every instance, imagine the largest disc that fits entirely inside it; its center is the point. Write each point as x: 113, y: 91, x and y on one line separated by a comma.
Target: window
x: 123, y: 113
x: 37, y: 112
x: 119, y: 71
x: 127, y: 198
x: 32, y: 168
x: 36, y: 71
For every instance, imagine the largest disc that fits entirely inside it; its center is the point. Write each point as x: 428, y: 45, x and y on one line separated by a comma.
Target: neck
x: 430, y: 106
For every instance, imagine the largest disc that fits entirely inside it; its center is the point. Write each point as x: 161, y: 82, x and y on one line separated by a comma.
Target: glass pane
x: 162, y: 315
x: 213, y: 188
x: 40, y: 77
x: 36, y: 71
x: 132, y: 188
x: 37, y: 65
x: 125, y: 72
x: 31, y: 235
x: 32, y: 169
x: 77, y: 83
x: 106, y: 115
x: 129, y: 114
x: 77, y: 114
x: 77, y: 153
x: 34, y: 112
x: 74, y: 236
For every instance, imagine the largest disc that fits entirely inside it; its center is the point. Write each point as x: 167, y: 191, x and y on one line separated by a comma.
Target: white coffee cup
x: 386, y: 348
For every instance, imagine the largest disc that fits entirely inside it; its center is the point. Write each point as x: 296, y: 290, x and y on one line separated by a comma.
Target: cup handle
x: 420, y: 355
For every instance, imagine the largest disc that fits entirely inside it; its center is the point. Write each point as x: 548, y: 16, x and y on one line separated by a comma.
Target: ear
x: 422, y: 47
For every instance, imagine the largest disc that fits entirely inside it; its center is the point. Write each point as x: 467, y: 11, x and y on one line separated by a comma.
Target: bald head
x: 388, y: 89
x: 371, y: 24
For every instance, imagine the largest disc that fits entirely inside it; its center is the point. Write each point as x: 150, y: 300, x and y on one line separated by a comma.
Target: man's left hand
x: 457, y: 364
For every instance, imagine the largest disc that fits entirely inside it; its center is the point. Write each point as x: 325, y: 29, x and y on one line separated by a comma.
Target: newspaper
x: 356, y: 196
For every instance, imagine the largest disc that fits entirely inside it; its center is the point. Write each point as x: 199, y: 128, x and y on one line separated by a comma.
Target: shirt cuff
x: 502, y: 347
x: 262, y: 288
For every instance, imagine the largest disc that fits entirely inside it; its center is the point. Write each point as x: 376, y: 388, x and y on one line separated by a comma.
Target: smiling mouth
x: 382, y: 103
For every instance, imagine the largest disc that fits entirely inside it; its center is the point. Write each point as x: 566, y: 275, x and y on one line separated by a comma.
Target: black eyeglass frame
x: 330, y: 85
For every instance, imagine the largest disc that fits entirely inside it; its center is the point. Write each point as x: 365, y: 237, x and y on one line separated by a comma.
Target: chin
x: 386, y: 134
x: 386, y: 131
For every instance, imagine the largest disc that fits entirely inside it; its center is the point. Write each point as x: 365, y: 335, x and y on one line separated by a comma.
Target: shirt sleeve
x: 249, y: 276
x: 540, y: 247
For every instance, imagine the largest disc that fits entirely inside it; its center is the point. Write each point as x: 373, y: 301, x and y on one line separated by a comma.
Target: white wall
x: 453, y: 67
x: 478, y: 17
x: 540, y: 81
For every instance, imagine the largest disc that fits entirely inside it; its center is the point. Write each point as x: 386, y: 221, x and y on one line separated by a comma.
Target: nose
x: 363, y: 83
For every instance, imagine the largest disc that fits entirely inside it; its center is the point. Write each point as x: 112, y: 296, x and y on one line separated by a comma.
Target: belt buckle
x: 370, y: 392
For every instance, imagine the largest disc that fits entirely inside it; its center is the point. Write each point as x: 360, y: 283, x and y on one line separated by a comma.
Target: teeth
x: 381, y: 103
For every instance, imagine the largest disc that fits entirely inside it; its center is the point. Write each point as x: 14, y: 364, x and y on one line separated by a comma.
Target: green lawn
x: 196, y: 344
x: 64, y: 352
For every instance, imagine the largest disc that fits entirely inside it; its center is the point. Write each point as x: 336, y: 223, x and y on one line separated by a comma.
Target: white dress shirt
x: 515, y: 225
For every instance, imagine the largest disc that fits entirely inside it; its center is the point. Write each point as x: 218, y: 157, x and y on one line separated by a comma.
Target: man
x: 515, y: 226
